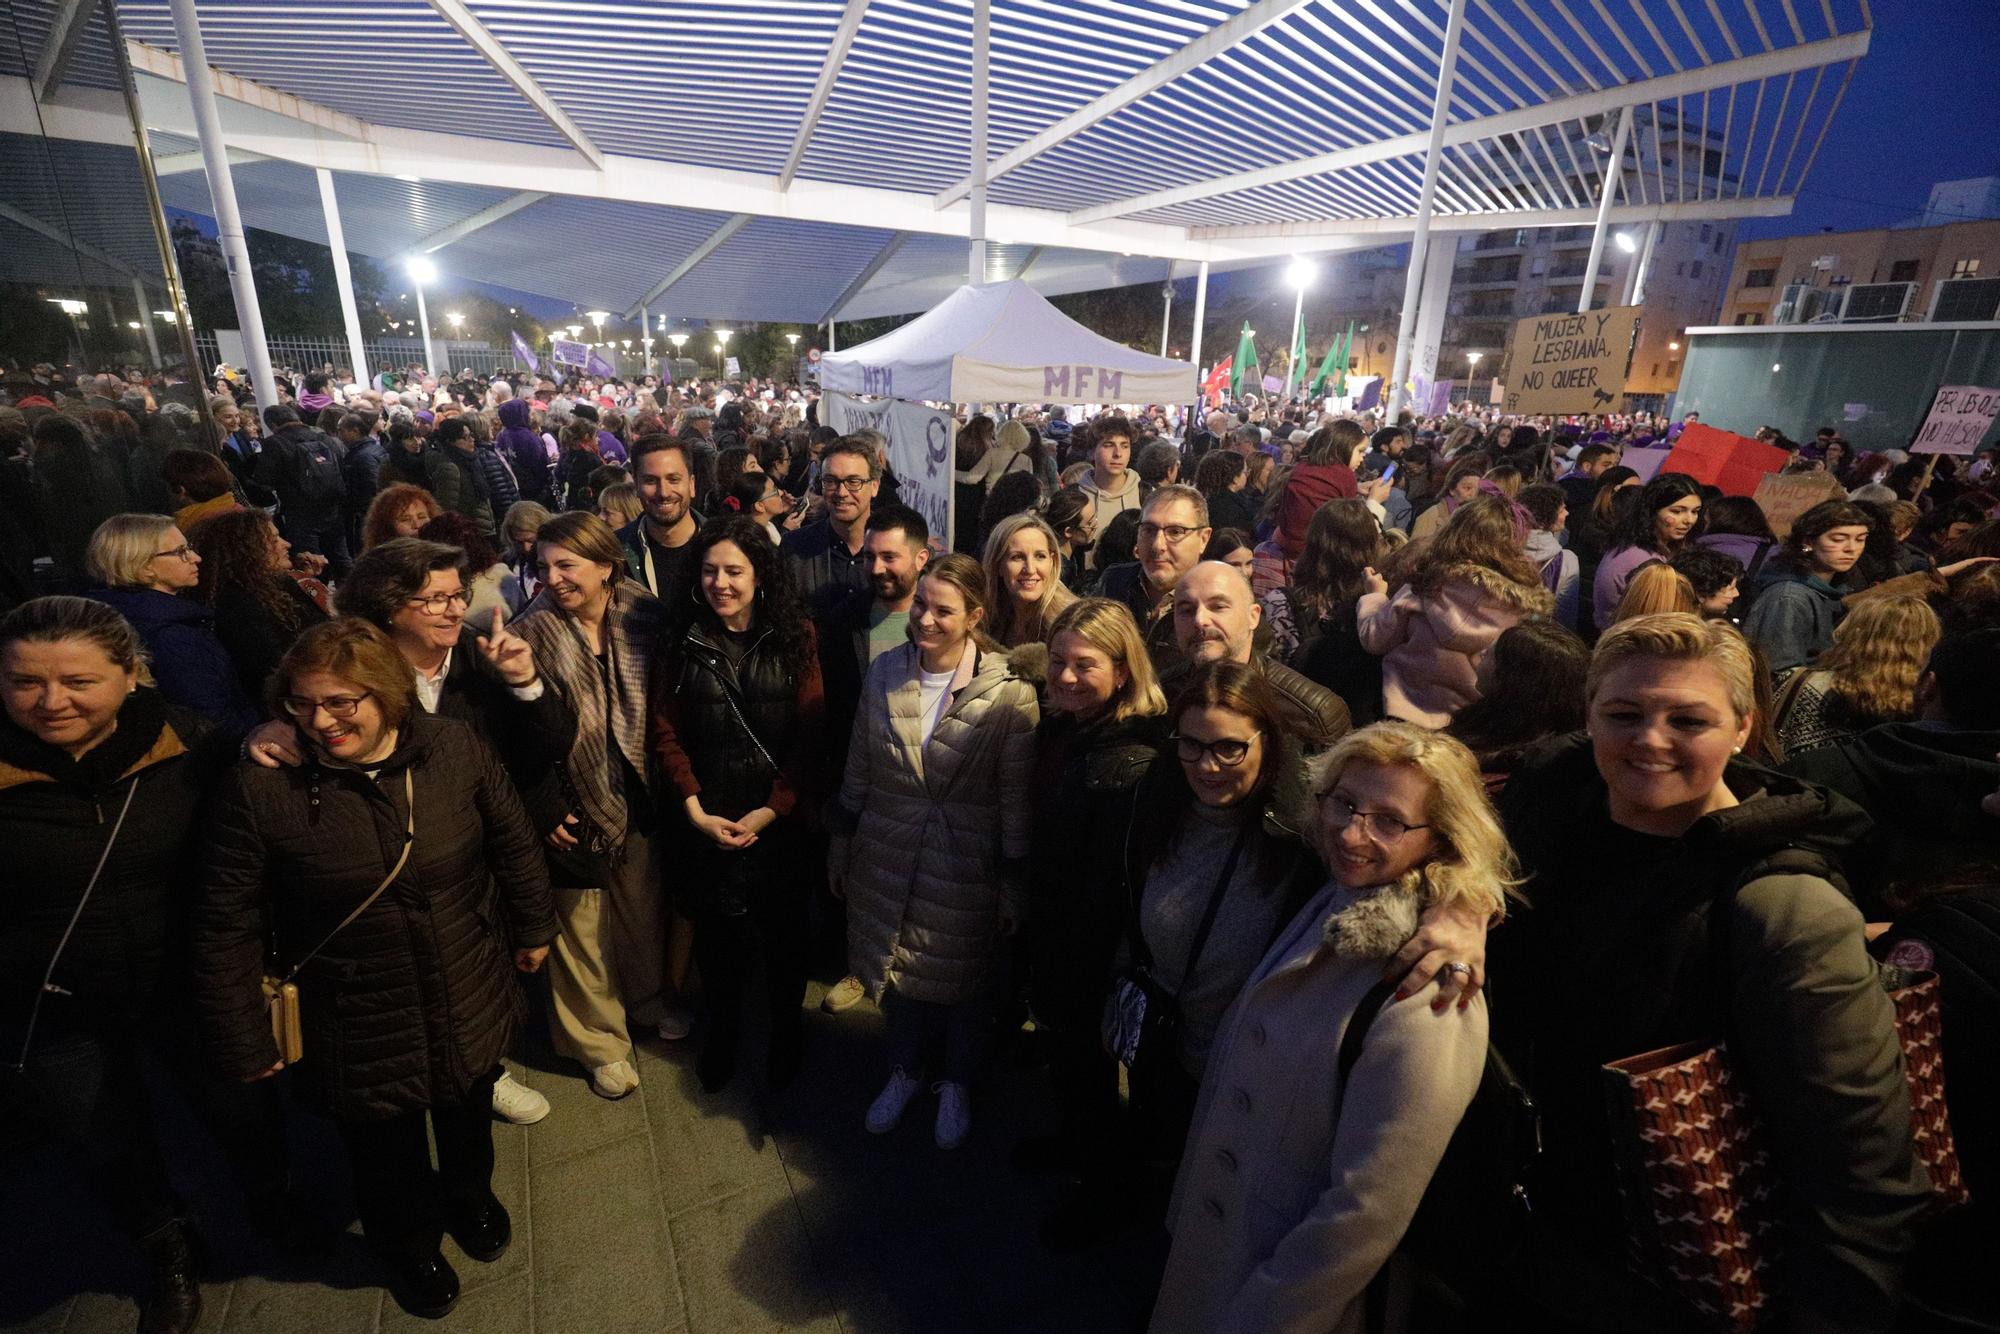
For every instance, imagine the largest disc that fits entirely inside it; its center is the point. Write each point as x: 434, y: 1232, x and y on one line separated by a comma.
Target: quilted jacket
x: 414, y: 1002
x: 934, y: 824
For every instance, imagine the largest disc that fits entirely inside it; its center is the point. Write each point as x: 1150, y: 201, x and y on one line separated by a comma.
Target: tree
x: 297, y: 292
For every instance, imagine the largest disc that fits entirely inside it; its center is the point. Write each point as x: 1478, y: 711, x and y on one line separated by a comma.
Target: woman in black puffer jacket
x: 96, y: 768
x: 409, y: 1007
x: 736, y: 725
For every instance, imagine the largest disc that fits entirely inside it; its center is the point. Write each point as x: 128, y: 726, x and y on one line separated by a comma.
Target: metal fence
x: 309, y: 353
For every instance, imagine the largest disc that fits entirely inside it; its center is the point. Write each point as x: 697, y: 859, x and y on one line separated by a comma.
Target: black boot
x: 483, y: 1233
x: 174, y: 1253
x: 426, y: 1288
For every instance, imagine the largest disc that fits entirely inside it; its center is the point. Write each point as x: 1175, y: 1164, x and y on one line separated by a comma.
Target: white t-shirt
x: 935, y: 697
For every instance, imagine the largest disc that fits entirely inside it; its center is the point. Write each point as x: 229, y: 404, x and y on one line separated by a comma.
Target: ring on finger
x: 1463, y: 969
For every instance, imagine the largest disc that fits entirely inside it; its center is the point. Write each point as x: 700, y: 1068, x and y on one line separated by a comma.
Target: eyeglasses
x: 1174, y: 533
x: 437, y: 602
x: 339, y: 706
x: 1228, y: 752
x: 1376, y: 826
x: 851, y: 485
x: 181, y: 552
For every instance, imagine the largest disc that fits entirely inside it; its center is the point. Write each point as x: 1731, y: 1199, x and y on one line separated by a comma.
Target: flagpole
x: 1298, y: 334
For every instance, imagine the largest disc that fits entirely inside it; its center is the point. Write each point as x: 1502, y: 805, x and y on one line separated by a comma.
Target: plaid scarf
x: 568, y: 663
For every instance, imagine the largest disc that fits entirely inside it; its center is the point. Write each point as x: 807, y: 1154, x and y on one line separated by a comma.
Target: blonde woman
x: 1303, y: 1169
x: 1024, y: 573
x: 619, y: 504
x: 1868, y: 677
x: 1656, y: 588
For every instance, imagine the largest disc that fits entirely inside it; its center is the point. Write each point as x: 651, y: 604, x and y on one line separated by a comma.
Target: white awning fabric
x: 1004, y: 343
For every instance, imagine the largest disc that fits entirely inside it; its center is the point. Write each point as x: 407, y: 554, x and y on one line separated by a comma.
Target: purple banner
x: 566, y: 353
x: 1440, y: 398
x: 525, y: 355
x: 596, y: 365
x: 1273, y: 385
x: 1371, y: 394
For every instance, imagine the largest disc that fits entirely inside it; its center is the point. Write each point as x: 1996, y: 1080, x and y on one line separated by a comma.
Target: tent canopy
x: 1004, y: 343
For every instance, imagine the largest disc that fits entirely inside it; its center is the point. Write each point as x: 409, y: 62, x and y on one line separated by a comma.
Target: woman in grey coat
x: 1326, y: 1104
x: 931, y: 831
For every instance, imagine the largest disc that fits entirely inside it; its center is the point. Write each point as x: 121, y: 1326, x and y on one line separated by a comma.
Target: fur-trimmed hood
x: 1375, y: 924
x: 1527, y: 599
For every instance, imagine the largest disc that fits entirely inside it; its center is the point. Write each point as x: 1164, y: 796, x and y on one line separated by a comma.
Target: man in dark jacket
x: 659, y: 544
x: 524, y: 450
x: 1216, y: 619
x: 826, y: 556
x: 303, y: 465
x: 451, y: 471
x: 1173, y: 530
x: 361, y: 468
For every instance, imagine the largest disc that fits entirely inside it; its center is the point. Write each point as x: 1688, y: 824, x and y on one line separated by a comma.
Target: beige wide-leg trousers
x: 608, y: 958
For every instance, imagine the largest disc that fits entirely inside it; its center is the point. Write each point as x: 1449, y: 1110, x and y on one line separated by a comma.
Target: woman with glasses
x: 1326, y: 1107
x: 932, y: 835
x: 246, y: 578
x: 146, y: 568
x: 369, y: 871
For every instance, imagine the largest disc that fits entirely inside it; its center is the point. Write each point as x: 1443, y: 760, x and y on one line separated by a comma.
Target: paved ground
x: 667, y: 1211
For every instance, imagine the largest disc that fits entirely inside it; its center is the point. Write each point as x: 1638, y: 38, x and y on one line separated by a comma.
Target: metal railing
x: 311, y: 353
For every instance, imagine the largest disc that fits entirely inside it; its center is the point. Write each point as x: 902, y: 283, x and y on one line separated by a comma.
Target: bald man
x: 1216, y: 619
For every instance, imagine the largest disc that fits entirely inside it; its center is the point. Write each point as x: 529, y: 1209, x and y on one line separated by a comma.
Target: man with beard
x: 659, y: 544
x: 1217, y: 619
x: 867, y: 624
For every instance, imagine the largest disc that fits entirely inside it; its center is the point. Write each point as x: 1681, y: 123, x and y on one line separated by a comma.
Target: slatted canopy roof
x: 794, y: 159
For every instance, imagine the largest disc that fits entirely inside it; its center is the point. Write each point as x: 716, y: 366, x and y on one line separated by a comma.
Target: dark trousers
x: 1086, y: 1079
x: 1161, y: 1109
x: 325, y: 534
x: 914, y: 1024
x: 404, y: 1204
x: 86, y: 1083
x: 727, y: 948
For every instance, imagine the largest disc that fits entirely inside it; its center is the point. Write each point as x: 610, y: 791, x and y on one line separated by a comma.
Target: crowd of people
x: 1211, y: 761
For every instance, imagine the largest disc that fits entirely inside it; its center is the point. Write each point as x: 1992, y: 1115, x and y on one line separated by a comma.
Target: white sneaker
x: 613, y: 1081
x: 675, y: 1024
x: 887, y: 1109
x: 843, y: 995
x: 516, y: 1102
x: 954, y: 1118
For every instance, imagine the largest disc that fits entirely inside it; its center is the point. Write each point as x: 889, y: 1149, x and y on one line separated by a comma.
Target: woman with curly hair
x: 1868, y: 677
x: 400, y: 509
x: 1456, y: 597
x: 246, y: 577
x: 737, y: 705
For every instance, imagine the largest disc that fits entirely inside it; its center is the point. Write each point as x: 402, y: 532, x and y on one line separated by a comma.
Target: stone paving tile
x: 505, y: 1306
x: 746, y: 1263
x: 603, y: 1259
x: 263, y: 1305
x: 578, y: 1119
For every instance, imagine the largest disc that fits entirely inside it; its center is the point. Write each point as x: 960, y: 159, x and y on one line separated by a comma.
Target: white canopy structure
x: 1004, y: 343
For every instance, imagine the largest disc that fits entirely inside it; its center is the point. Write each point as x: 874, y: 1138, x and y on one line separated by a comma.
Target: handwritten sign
x: 1960, y: 416
x: 1785, y: 496
x: 1570, y: 363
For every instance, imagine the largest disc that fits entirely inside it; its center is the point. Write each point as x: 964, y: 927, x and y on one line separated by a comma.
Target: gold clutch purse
x: 281, y: 1000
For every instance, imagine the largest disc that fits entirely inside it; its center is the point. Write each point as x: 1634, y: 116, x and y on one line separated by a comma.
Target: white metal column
x: 1433, y: 151
x: 1292, y: 348
x: 982, y: 31
x: 424, y: 323
x: 146, y: 322
x: 1200, y: 312
x: 1167, y: 320
x: 343, y: 277
x: 1642, y: 271
x: 830, y: 344
x: 1614, y: 169
x: 222, y: 187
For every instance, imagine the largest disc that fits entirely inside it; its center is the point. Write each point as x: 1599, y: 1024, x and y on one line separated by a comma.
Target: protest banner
x: 1959, y: 419
x: 525, y: 354
x: 1570, y: 363
x: 567, y: 353
x: 1785, y: 496
x: 922, y: 442
x: 1736, y: 463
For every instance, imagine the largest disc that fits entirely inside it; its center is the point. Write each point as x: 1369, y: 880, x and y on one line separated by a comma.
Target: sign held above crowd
x: 1959, y: 419
x: 1570, y: 363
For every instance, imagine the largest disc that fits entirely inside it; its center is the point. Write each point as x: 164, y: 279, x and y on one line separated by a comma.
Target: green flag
x: 1336, y: 356
x: 1246, y: 356
x: 1295, y: 374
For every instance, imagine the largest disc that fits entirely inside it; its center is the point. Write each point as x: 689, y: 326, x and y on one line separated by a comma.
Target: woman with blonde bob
x: 1656, y: 588
x: 1682, y: 894
x: 1868, y: 677
x: 1300, y: 1176
x: 1024, y: 573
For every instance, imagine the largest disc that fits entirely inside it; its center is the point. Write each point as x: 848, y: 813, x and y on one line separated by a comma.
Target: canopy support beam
x: 1200, y: 313
x: 681, y: 270
x: 861, y: 280
x: 486, y: 217
x: 829, y: 74
x: 1614, y: 173
x: 1413, y: 281
x: 1643, y: 269
x: 487, y: 45
x: 343, y: 275
x: 66, y: 29
x: 982, y: 34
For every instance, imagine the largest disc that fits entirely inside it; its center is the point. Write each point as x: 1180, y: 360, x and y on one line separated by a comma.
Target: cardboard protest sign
x: 1570, y: 363
x: 1784, y: 497
x: 1960, y: 416
x: 1736, y: 463
x: 1648, y: 463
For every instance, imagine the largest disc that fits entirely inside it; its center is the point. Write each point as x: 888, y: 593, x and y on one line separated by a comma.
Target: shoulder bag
x: 281, y: 994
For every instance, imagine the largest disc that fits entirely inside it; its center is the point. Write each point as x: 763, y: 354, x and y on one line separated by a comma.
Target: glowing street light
x: 1624, y: 241
x: 1300, y: 274
x: 679, y: 341
x: 69, y: 305
x: 457, y: 321
x: 422, y: 271
x: 722, y: 337
x: 793, y: 339
x: 573, y: 330
x: 597, y: 317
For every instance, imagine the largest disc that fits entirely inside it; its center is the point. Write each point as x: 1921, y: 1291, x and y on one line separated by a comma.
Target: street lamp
x: 422, y: 271
x: 1472, y: 358
x: 1624, y: 242
x: 1299, y: 274
x: 722, y: 337
x: 597, y: 317
x: 457, y: 321
x: 73, y: 308
x: 679, y: 341
x: 573, y: 330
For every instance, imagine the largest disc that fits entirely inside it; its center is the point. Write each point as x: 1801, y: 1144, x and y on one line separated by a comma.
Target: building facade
x: 1823, y: 263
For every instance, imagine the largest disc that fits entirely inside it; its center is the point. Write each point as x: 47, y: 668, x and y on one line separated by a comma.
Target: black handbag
x: 1142, y: 1019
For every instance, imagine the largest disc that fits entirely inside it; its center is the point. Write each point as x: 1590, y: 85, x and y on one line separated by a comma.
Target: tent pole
x: 982, y: 28
x: 1614, y: 168
x: 1200, y: 310
x: 1433, y: 156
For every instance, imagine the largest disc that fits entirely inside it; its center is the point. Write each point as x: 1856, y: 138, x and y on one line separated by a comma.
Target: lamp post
x: 597, y: 318
x: 792, y: 341
x: 1472, y: 375
x: 1300, y: 275
x: 679, y: 340
x: 722, y: 337
x: 422, y: 271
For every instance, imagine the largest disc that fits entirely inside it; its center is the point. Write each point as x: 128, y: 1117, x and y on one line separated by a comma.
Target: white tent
x: 1004, y: 343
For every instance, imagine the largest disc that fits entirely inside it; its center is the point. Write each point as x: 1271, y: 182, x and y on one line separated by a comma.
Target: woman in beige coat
x: 931, y: 834
x: 1301, y: 1175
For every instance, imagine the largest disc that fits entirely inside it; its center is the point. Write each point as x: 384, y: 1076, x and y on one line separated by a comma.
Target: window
x: 1706, y: 231
x: 1750, y: 317
x: 1681, y: 270
x: 1965, y: 268
x: 1717, y: 249
x: 1694, y: 269
x: 1760, y: 278
x: 1903, y: 271
x: 1656, y: 370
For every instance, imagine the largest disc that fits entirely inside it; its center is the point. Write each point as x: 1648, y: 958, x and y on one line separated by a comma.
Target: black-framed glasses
x: 437, y: 602
x: 1174, y: 533
x: 851, y: 485
x: 338, y: 706
x: 1377, y: 826
x: 1228, y: 752
x: 182, y: 552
